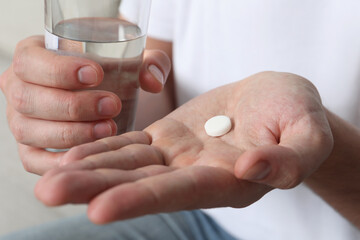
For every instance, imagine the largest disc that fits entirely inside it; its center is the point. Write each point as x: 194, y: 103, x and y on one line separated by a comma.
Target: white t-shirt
x: 216, y: 42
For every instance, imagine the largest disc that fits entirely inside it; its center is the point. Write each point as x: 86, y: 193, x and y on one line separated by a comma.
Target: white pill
x: 218, y: 126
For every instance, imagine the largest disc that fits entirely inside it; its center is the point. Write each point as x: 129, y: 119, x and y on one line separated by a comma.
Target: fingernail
x: 87, y: 75
x: 157, y: 73
x: 258, y: 172
x: 107, y: 106
x: 102, y: 130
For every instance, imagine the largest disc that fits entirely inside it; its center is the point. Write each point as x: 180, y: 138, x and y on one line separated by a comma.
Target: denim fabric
x: 187, y: 225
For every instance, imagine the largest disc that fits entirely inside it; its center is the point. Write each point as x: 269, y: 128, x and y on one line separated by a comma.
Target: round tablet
x: 218, y: 126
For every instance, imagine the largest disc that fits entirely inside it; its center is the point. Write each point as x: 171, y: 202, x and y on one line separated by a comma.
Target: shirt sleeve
x: 161, y: 25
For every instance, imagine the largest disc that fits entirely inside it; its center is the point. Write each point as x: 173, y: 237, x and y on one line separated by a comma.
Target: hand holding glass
x: 110, y: 32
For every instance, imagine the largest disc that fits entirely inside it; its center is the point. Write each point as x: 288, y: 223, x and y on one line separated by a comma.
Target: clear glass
x: 110, y: 32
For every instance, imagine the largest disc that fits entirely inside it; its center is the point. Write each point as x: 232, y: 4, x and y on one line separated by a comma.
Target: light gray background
x: 18, y: 206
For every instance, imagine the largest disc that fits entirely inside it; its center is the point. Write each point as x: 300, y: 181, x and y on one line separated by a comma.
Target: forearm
x: 337, y: 181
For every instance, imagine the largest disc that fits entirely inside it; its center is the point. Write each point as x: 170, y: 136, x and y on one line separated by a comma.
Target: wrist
x: 346, y: 137
x: 337, y: 180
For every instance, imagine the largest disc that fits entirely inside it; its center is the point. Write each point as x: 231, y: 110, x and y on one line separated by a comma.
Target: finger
x: 51, y: 134
x: 38, y: 161
x: 285, y: 165
x: 183, y: 189
x: 34, y: 64
x: 155, y: 70
x: 60, y: 105
x: 275, y: 165
x: 129, y: 157
x: 57, y: 187
x: 105, y: 145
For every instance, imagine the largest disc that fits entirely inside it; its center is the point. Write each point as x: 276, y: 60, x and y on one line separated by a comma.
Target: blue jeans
x: 187, y: 225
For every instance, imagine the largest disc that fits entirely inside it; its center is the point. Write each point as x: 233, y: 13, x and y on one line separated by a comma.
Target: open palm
x: 280, y: 135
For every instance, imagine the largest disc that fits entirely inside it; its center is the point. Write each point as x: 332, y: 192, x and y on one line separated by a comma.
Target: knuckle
x: 18, y: 131
x: 19, y: 59
x: 265, y: 73
x: 23, y: 154
x: 57, y: 73
x: 73, y: 107
x: 26, y: 164
x: 21, y: 44
x: 73, y: 155
x: 19, y: 99
x: 66, y: 136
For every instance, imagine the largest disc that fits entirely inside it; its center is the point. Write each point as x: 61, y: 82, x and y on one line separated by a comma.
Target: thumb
x: 299, y: 153
x: 280, y: 166
x: 154, y: 71
x: 274, y: 165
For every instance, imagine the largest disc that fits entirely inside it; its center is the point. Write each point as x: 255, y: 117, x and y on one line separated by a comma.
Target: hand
x: 43, y: 109
x: 280, y: 136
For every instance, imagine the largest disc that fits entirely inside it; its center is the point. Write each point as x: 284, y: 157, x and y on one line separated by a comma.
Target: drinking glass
x: 110, y: 32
